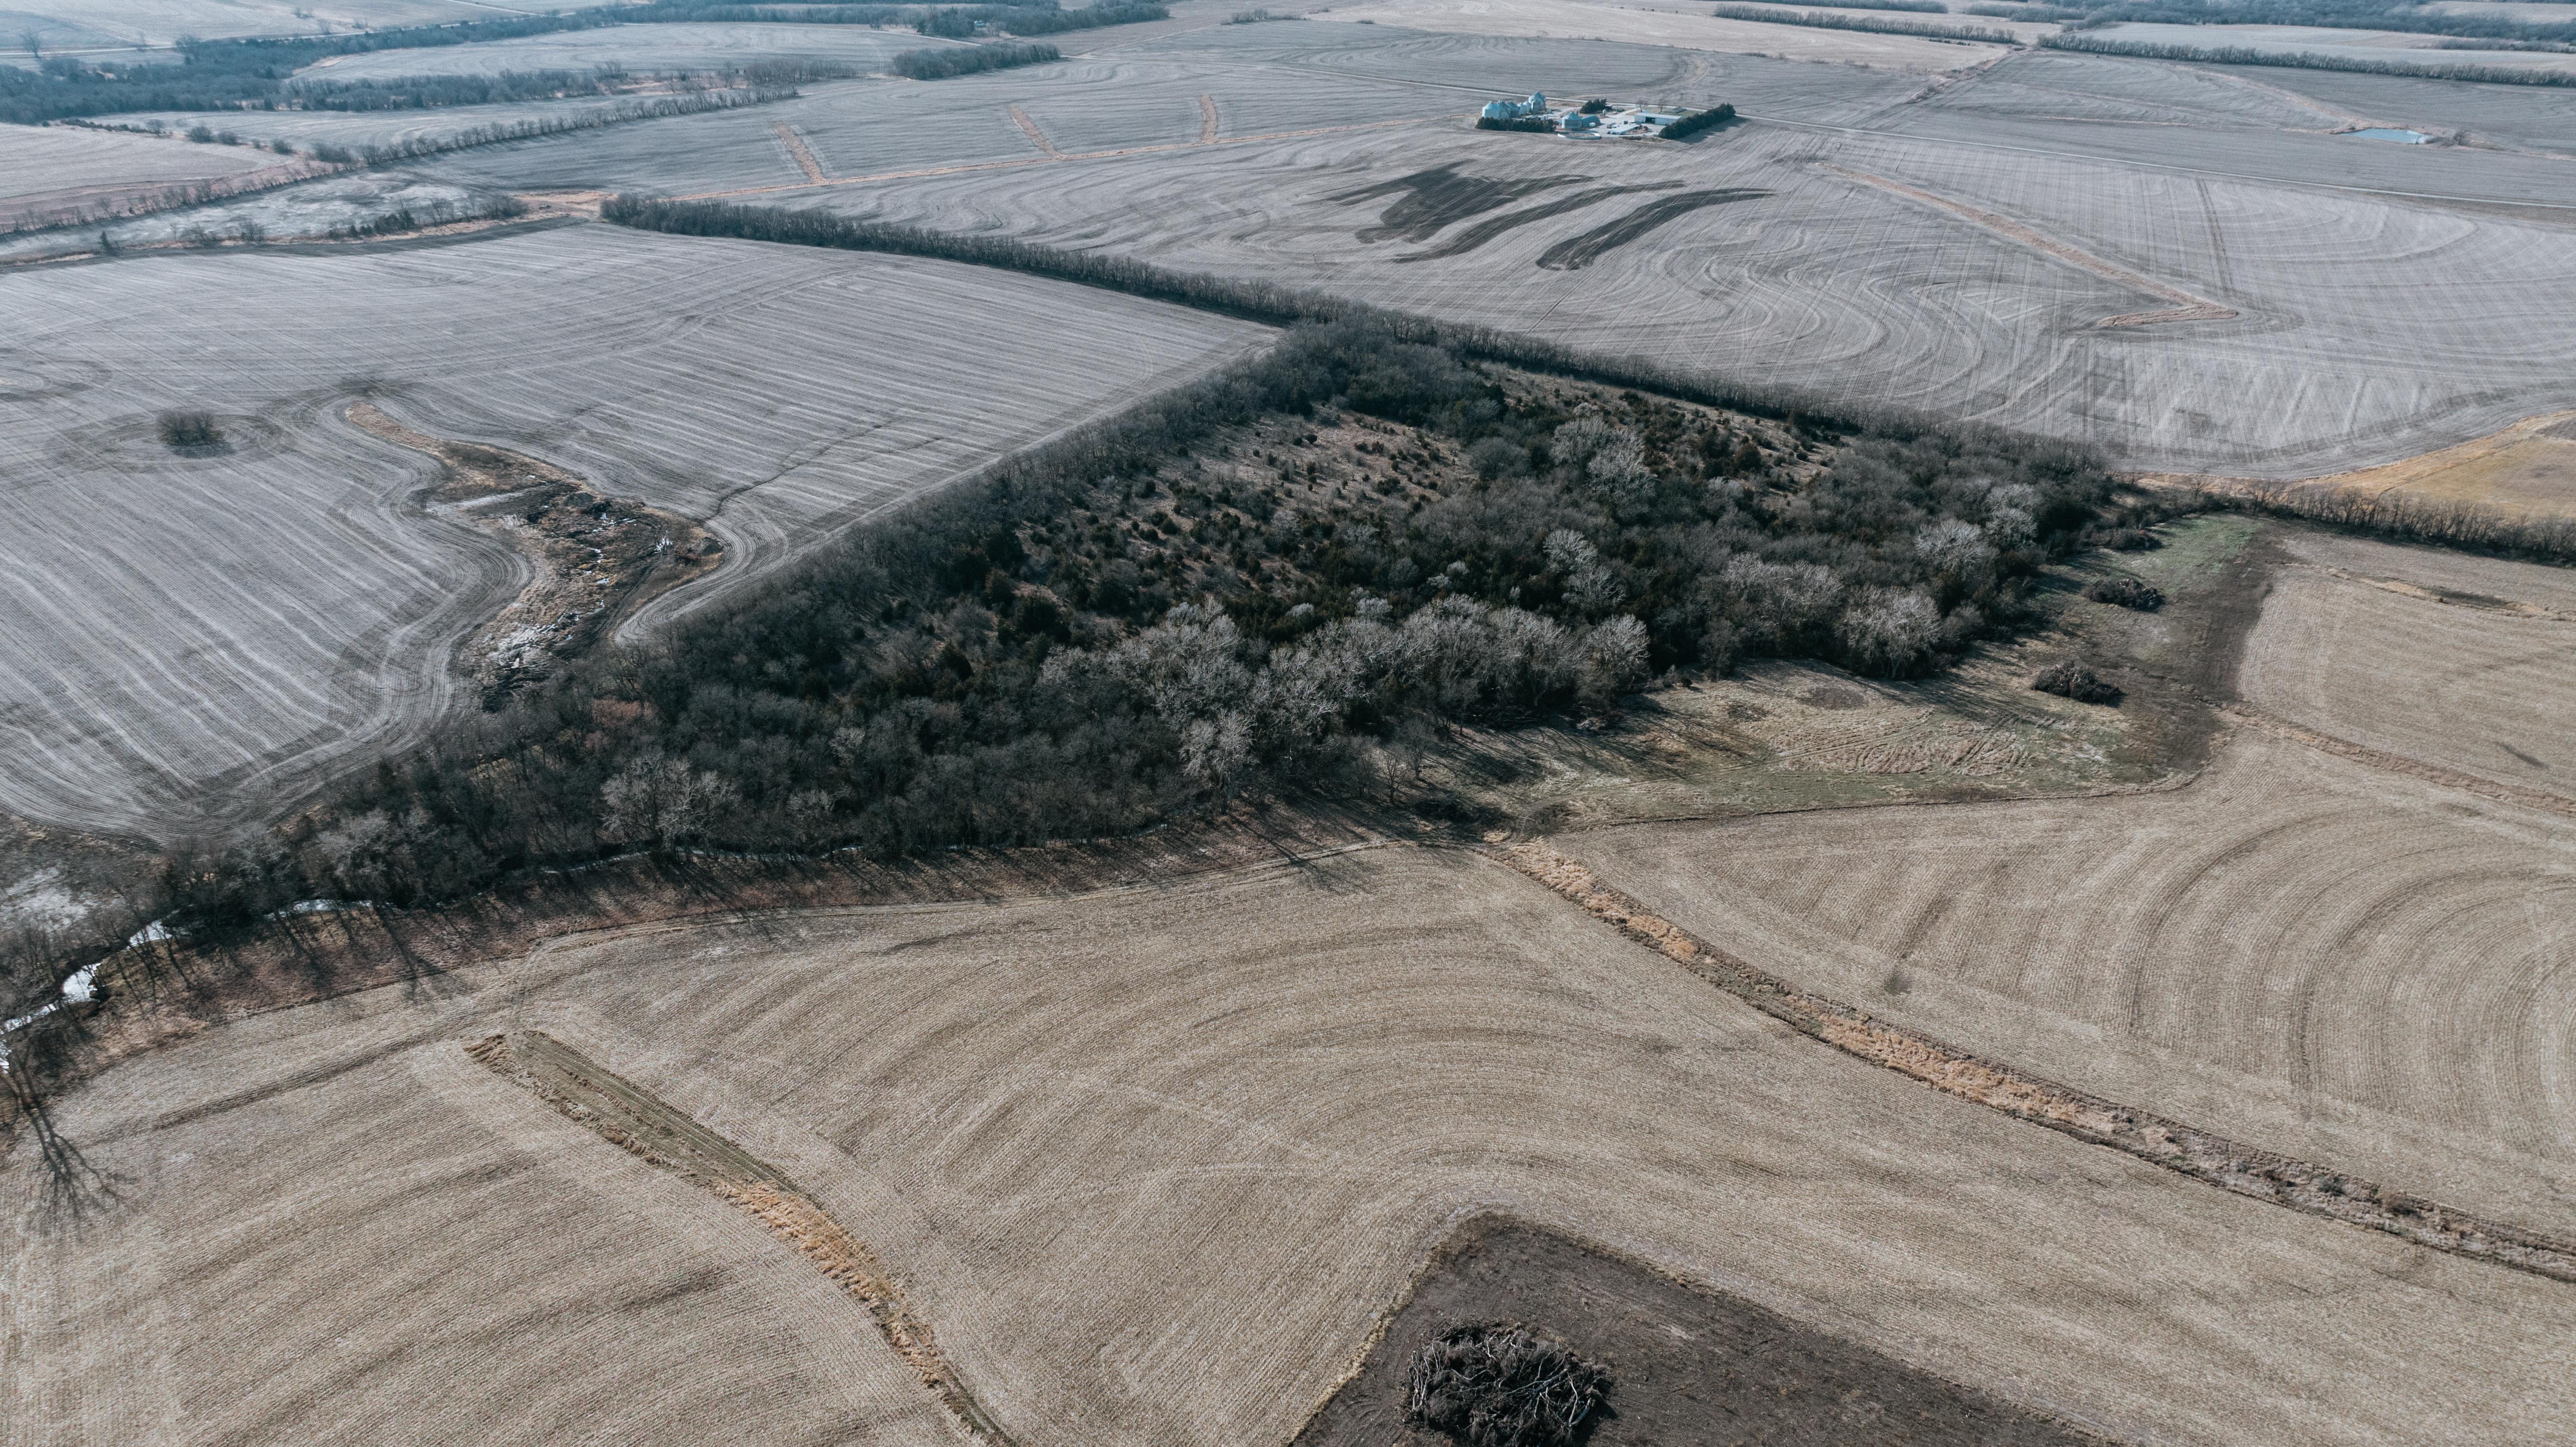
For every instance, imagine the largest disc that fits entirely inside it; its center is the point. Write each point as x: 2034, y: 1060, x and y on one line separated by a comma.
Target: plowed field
x: 1151, y: 1162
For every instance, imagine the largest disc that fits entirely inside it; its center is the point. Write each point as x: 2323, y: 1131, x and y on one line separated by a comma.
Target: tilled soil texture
x: 1690, y: 1366
x: 1154, y: 1160
x: 596, y: 558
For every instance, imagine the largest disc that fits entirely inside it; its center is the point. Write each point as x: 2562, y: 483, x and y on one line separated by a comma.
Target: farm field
x: 82, y: 23
x: 1812, y: 276
x: 611, y: 833
x: 642, y: 48
x: 247, y: 658
x: 1105, y: 1144
x: 60, y: 174
x: 304, y: 212
x: 2516, y: 117
x: 2356, y: 44
x: 1587, y: 20
x: 2353, y: 959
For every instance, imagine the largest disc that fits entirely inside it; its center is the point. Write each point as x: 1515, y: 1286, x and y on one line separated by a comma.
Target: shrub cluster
x: 1540, y: 124
x: 2124, y: 591
x: 2070, y: 679
x: 1502, y: 1386
x: 185, y: 429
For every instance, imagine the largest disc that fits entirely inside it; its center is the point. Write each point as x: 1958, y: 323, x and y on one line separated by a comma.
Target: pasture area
x: 2345, y: 940
x: 1150, y: 1162
x: 188, y: 639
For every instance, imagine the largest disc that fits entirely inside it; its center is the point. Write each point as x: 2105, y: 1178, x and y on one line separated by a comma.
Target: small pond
x: 2386, y: 133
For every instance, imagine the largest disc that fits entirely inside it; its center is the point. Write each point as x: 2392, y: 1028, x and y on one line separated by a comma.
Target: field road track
x: 637, y: 1121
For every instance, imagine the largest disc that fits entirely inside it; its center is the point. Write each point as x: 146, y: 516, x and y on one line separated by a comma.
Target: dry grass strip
x: 804, y: 154
x: 2186, y: 307
x: 1037, y: 138
x: 2243, y: 1169
x: 1207, y: 120
x: 633, y: 1119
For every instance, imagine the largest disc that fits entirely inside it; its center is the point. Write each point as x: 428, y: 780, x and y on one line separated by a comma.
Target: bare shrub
x: 1501, y: 1386
x: 1889, y: 632
x: 2070, y: 679
x: 185, y: 429
x: 2122, y: 591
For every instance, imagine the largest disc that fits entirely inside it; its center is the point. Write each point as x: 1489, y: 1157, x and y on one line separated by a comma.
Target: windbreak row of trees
x: 970, y: 59
x: 1163, y: 612
x: 2398, y: 15
x: 2309, y: 60
x: 637, y: 108
x: 1828, y: 20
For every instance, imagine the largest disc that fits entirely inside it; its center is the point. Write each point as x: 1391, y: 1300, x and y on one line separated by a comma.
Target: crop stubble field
x: 1154, y: 1159
x: 181, y: 652
x: 2355, y: 960
x: 690, y: 47
x: 2365, y: 321
x: 1150, y: 1161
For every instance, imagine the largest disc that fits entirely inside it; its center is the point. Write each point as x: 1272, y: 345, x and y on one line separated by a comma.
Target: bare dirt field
x: 1851, y: 289
x: 1152, y: 1163
x: 1692, y: 1368
x: 2350, y: 956
x: 188, y: 639
x: 2454, y: 663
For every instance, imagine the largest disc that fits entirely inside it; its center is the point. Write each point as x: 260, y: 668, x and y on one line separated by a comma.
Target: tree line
x: 970, y: 59
x: 2307, y: 60
x: 1183, y: 605
x: 639, y: 108
x: 2397, y: 15
x: 1827, y: 20
x: 258, y: 73
x: 2413, y: 518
